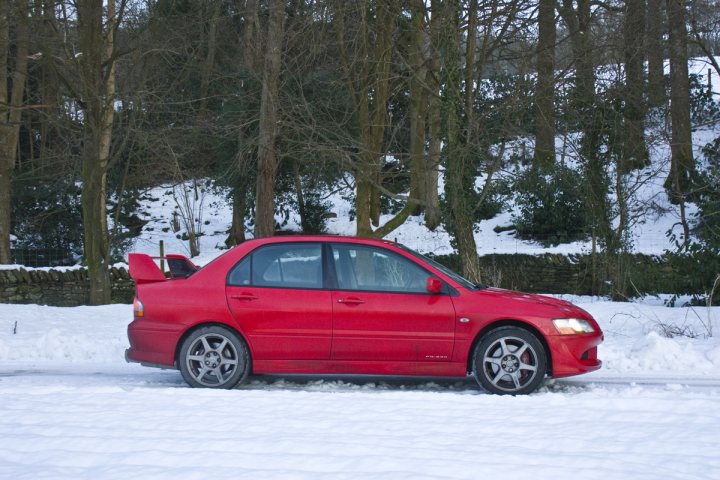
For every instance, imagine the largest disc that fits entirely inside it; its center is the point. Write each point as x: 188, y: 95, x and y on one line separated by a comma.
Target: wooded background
x: 281, y: 102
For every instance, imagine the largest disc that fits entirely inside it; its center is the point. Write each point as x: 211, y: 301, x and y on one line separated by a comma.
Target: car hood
x: 563, y: 307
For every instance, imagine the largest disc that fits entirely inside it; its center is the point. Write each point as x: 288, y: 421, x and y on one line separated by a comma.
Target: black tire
x: 509, y: 361
x: 214, y: 357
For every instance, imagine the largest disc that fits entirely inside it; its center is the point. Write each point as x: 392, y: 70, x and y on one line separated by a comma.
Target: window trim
x: 329, y: 274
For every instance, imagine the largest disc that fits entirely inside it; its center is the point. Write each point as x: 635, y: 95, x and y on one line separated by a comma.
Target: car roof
x: 320, y: 238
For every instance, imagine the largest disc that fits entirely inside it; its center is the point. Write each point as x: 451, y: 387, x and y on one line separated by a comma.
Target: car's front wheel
x: 214, y: 357
x: 509, y: 361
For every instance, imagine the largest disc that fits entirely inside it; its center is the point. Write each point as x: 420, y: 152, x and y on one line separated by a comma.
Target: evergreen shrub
x: 551, y: 207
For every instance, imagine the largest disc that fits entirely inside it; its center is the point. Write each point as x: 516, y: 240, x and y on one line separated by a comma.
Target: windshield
x: 459, y: 279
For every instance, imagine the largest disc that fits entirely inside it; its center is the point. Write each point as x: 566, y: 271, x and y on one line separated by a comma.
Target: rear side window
x: 240, y: 274
x: 281, y: 266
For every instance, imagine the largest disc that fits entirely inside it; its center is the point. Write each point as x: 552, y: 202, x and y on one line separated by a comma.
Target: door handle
x: 351, y: 301
x: 244, y: 296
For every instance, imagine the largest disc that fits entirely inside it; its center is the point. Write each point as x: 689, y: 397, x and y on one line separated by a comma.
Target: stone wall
x: 62, y: 287
x: 557, y: 273
x: 548, y: 273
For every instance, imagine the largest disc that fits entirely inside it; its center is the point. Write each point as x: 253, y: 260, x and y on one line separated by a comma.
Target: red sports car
x: 335, y: 305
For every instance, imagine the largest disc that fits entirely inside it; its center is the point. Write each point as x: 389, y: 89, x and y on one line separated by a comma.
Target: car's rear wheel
x: 214, y: 357
x: 509, y: 361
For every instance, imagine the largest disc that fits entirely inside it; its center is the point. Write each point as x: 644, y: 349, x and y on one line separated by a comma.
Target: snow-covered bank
x: 634, y: 342
x: 70, y: 408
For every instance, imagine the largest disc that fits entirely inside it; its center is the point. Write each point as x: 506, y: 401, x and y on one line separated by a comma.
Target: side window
x: 359, y: 267
x: 240, y: 274
x: 288, y: 266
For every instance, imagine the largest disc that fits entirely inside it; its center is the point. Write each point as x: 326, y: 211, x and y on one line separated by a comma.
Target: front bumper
x: 574, y: 354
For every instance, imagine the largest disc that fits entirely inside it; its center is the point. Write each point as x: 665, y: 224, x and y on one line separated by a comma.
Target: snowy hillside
x: 70, y: 408
x: 656, y: 216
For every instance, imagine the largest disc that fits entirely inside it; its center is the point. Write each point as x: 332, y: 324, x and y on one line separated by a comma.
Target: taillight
x: 138, y: 308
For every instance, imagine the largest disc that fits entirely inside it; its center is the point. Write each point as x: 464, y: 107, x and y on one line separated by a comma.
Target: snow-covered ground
x: 71, y: 408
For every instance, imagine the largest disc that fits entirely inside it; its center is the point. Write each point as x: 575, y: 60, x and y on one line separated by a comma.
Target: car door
x: 382, y: 310
x: 276, y: 294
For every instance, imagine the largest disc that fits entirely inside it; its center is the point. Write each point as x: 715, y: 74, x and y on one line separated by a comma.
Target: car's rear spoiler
x: 143, y: 268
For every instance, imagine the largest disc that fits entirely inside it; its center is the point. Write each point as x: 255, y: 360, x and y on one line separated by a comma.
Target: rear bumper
x: 152, y: 343
x: 574, y: 354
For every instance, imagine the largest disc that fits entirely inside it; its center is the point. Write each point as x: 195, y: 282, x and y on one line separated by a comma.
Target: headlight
x: 572, y: 326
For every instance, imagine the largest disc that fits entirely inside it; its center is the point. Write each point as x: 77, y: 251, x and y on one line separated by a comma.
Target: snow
x: 71, y: 408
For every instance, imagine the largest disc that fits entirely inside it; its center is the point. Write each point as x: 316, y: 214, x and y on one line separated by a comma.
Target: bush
x: 703, y: 107
x: 551, y: 206
x: 707, y: 197
x: 46, y: 215
x: 316, y: 210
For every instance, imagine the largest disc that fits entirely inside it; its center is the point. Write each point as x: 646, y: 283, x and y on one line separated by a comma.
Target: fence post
x: 710, y: 83
x: 594, y: 283
x: 162, y: 256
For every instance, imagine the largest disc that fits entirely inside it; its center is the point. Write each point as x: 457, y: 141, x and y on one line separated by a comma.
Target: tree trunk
x: 239, y: 206
x: 10, y: 113
x: 460, y: 170
x: 8, y: 141
x: 432, y: 167
x: 49, y: 88
x: 267, y: 160
x: 385, y: 18
x: 240, y: 191
x: 459, y: 217
x: 300, y: 198
x: 244, y: 155
x: 97, y: 69
x: 251, y: 36
x: 432, y: 208
x: 655, y: 47
x: 418, y: 106
x: 363, y: 195
x: 209, y: 58
x: 682, y: 166
x: 634, y: 152
x: 590, y: 119
x: 545, y: 90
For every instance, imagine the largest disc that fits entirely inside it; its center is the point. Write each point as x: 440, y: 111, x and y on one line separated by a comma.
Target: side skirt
x: 328, y: 367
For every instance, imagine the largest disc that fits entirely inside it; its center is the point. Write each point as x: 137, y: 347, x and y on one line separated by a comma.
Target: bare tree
x: 11, y: 101
x: 95, y: 68
x: 267, y: 158
x: 578, y: 19
x: 682, y: 165
x: 245, y: 157
x: 367, y: 69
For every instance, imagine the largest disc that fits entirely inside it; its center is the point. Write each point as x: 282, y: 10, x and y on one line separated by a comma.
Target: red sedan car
x: 334, y: 305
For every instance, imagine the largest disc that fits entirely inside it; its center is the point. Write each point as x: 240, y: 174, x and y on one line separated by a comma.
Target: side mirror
x: 434, y: 285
